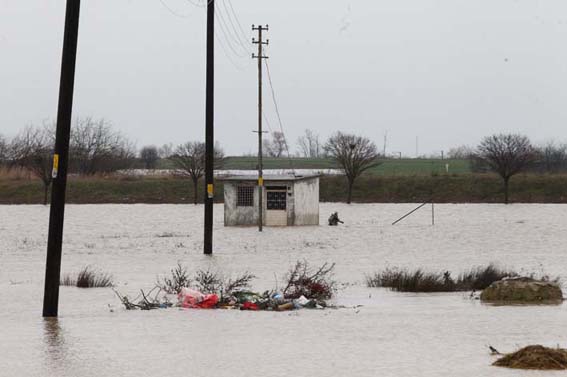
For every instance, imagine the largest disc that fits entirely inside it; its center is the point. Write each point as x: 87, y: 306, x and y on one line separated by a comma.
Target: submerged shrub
x: 178, y: 279
x: 480, y: 278
x: 88, y: 278
x: 205, y: 281
x: 412, y: 281
x: 302, y: 280
x: 419, y: 281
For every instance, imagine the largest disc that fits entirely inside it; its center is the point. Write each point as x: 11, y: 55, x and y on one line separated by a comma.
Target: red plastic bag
x: 192, y: 299
x: 249, y: 306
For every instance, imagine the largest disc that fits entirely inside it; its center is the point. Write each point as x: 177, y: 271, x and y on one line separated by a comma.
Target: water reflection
x: 55, y: 349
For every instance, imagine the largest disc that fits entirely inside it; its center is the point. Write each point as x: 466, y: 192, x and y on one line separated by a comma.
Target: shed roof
x: 274, y: 177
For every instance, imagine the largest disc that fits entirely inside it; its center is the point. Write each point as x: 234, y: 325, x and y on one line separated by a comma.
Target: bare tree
x: 354, y: 154
x: 461, y: 152
x: 189, y: 159
x: 276, y: 146
x: 149, y: 155
x: 166, y: 150
x: 3, y: 150
x: 552, y: 157
x: 32, y: 149
x: 507, y: 155
x: 97, y: 148
x: 309, y: 144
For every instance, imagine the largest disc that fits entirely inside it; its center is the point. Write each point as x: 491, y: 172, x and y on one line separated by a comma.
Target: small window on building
x: 245, y: 196
x: 276, y: 200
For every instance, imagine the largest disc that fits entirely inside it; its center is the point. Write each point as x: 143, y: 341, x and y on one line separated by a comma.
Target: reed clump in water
x: 87, y: 278
x: 404, y: 280
x: 535, y: 357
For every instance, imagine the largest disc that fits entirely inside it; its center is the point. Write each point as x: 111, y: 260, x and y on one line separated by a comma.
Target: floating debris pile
x: 304, y: 288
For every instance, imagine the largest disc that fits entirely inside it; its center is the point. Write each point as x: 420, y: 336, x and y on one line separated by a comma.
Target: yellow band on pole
x: 260, y: 181
x: 55, y: 166
x: 210, y: 189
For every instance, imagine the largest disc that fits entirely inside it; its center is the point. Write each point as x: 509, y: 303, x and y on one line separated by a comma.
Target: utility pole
x: 60, y: 159
x: 209, y: 130
x: 385, y: 143
x: 260, y: 42
x: 417, y: 147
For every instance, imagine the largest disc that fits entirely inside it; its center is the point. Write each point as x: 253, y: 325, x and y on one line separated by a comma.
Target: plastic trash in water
x: 193, y: 299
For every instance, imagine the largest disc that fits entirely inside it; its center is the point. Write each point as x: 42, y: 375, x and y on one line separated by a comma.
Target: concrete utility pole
x: 210, y: 128
x: 60, y: 160
x: 260, y: 42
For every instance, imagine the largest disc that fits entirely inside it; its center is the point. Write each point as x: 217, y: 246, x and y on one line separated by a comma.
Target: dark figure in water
x: 334, y: 219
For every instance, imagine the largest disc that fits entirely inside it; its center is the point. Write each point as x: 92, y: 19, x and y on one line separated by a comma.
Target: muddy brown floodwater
x: 391, y: 334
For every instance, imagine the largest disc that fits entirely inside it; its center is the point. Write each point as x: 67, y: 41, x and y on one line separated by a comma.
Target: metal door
x: 276, y: 206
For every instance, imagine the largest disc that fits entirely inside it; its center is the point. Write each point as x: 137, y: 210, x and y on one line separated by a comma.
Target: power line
x: 236, y: 35
x: 278, y: 114
x: 267, y: 122
x: 199, y: 5
x: 226, y: 33
x: 244, y: 35
x: 170, y: 10
x: 227, y: 54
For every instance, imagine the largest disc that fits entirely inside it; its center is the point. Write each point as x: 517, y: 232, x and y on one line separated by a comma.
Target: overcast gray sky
x: 446, y: 71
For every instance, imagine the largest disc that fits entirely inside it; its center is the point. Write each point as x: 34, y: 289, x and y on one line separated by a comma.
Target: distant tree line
x: 510, y: 154
x: 94, y: 148
x: 97, y: 148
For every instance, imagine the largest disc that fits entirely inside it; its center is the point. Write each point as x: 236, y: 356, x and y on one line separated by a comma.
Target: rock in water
x: 522, y: 290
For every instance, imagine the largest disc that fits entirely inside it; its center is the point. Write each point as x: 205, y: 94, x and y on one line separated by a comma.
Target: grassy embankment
x: 370, y: 188
x: 393, y: 181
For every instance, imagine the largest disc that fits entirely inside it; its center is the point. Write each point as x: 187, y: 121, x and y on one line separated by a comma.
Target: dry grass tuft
x: 88, y: 278
x: 15, y: 174
x: 419, y: 281
x: 535, y: 357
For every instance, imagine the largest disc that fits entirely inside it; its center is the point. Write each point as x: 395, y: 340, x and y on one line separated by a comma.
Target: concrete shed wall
x: 302, y: 202
x: 306, y: 197
x: 233, y: 215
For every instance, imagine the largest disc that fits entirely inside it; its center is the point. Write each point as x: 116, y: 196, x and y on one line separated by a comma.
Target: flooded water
x: 391, y: 334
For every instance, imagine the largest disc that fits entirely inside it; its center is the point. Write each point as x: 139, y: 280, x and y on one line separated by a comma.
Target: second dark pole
x: 209, y: 132
x: 60, y: 159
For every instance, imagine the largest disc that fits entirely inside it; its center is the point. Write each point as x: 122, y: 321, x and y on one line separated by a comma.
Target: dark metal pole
x: 60, y: 160
x: 209, y: 134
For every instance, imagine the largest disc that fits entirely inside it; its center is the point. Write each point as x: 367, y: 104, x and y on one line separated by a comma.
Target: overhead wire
x: 170, y: 10
x: 199, y: 5
x: 237, y: 20
x: 227, y: 53
x: 222, y: 33
x: 276, y: 107
x: 238, y: 35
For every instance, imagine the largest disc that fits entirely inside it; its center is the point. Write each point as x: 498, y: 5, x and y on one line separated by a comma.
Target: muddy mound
x: 522, y: 290
x: 535, y: 357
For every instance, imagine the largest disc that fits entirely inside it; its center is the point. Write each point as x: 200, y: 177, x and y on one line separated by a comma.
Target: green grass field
x: 390, y: 167
x: 445, y: 188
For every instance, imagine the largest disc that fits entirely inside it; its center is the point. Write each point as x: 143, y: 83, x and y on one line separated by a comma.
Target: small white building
x: 287, y: 200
